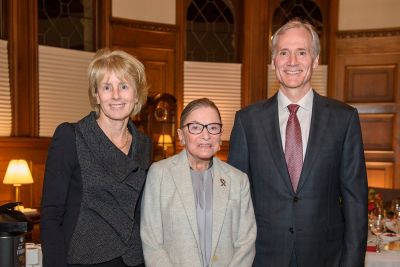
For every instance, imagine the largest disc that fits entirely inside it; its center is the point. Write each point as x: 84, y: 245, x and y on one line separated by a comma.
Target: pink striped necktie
x: 293, y: 146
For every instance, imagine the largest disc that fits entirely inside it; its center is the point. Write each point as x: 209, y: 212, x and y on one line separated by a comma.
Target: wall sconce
x: 165, y: 140
x: 17, y: 174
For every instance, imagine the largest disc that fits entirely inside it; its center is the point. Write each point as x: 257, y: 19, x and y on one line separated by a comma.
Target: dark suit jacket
x: 325, y: 221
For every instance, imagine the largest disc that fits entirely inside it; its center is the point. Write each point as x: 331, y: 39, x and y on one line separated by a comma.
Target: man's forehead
x: 296, y: 41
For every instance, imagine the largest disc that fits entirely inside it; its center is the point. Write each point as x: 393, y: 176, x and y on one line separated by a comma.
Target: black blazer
x: 62, y: 193
x: 325, y: 221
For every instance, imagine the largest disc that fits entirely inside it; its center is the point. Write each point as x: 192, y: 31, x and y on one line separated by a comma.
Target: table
x: 383, y: 259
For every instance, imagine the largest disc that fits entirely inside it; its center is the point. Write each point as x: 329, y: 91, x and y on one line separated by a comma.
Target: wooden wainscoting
x: 380, y: 174
x: 378, y: 132
x: 367, y: 73
x: 34, y: 151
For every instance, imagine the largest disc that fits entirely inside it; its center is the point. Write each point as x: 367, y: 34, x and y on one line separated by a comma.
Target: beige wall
x: 353, y: 14
x: 368, y: 14
x: 161, y: 11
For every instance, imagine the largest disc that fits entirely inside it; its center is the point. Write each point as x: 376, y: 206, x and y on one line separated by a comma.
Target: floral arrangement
x: 375, y: 203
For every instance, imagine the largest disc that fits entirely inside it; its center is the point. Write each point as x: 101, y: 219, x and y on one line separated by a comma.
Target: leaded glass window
x: 305, y: 9
x: 210, y: 31
x: 3, y: 20
x: 66, y: 24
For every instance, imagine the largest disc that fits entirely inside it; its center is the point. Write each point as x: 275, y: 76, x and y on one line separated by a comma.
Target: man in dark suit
x: 304, y: 157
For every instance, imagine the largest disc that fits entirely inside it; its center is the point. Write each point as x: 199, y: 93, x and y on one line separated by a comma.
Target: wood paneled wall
x: 154, y: 45
x: 34, y: 151
x: 24, y: 142
x: 367, y: 75
x: 363, y: 71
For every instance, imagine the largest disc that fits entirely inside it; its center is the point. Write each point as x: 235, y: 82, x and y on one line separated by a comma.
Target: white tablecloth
x: 383, y: 259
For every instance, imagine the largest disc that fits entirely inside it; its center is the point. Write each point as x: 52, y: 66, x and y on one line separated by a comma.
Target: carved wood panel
x: 377, y: 131
x: 370, y: 83
x: 367, y: 77
x: 157, y: 76
x: 380, y: 174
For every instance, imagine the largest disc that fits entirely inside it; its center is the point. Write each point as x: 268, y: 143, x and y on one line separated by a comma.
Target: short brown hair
x: 195, y: 104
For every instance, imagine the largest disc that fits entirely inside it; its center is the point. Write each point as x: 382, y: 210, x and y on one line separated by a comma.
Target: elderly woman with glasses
x: 196, y: 209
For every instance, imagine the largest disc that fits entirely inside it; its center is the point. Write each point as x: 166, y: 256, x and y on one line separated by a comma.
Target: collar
x: 118, y: 164
x: 306, y: 102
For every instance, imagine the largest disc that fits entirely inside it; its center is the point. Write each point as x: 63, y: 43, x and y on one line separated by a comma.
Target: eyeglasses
x: 197, y: 128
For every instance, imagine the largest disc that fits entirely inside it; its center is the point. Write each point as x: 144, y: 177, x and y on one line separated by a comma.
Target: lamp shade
x: 164, y: 139
x: 18, y: 173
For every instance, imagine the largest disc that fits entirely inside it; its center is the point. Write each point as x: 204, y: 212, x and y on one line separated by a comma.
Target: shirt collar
x: 305, y: 102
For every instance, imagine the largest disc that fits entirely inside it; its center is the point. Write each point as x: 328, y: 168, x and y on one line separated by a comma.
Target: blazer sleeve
x: 59, y: 168
x: 354, y: 188
x: 244, y: 245
x: 151, y: 226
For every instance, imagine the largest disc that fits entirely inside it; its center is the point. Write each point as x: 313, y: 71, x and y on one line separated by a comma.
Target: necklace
x: 110, y: 136
x: 126, y: 140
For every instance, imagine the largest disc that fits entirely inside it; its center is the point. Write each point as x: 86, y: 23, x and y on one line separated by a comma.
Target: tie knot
x: 293, y: 108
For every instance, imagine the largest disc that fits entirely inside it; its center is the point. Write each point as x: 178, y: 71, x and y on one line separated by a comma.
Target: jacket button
x: 291, y: 230
x: 295, y: 199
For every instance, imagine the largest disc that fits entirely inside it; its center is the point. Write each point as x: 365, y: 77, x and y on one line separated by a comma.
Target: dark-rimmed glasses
x: 197, y: 128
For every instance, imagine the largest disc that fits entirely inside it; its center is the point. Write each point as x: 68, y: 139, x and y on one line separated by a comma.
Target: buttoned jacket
x: 324, y: 222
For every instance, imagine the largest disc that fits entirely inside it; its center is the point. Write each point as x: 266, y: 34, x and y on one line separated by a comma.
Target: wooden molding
x: 103, y: 9
x: 255, y: 51
x: 181, y: 6
x: 149, y: 26
x: 331, y: 45
x: 23, y: 60
x: 369, y: 33
x: 24, y: 147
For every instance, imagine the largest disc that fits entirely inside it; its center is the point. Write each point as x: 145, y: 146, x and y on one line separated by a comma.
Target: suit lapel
x: 271, y: 128
x: 221, y: 189
x: 183, y: 182
x: 319, y: 124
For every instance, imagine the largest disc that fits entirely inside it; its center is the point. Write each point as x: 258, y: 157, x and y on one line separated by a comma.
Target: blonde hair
x: 125, y: 67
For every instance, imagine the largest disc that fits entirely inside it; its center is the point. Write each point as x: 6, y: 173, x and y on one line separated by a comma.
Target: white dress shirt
x: 303, y: 114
